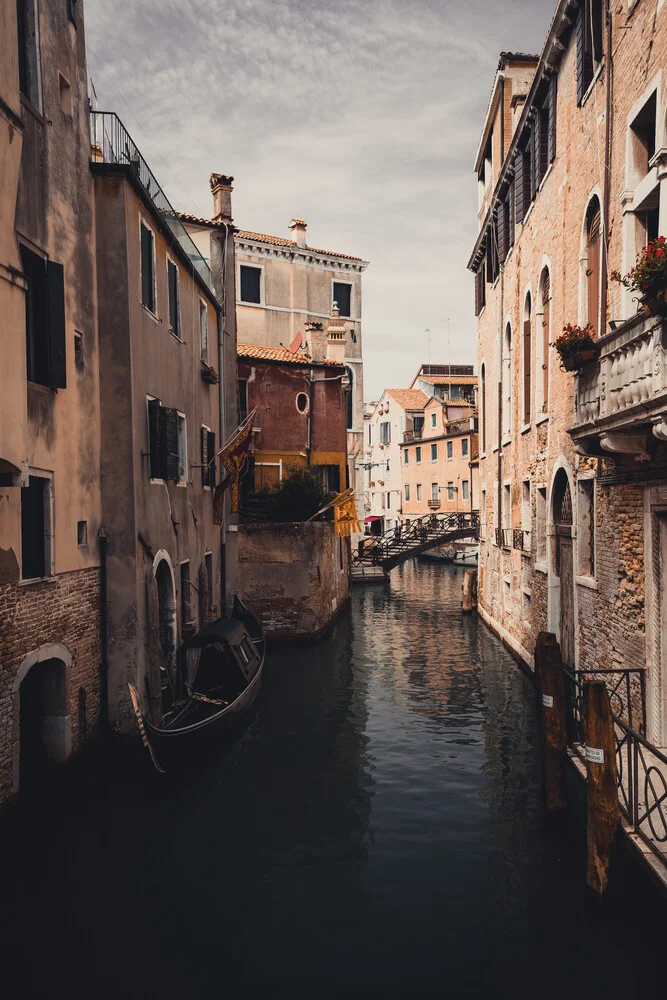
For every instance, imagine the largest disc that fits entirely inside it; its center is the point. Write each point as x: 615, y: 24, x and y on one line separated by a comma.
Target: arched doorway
x: 563, y: 564
x: 166, y: 599
x: 44, y: 721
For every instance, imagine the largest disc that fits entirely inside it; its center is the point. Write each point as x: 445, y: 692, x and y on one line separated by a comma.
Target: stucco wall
x: 291, y: 576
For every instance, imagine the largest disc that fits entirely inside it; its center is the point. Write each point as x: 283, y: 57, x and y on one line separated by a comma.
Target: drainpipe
x: 309, y: 443
x: 500, y: 401
x: 222, y: 422
x: 104, y: 636
x: 607, y: 170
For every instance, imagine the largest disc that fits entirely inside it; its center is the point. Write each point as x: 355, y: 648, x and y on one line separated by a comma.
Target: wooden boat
x: 222, y: 666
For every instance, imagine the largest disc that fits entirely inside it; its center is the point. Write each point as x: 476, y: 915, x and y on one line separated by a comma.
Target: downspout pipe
x: 604, y: 291
x: 500, y: 401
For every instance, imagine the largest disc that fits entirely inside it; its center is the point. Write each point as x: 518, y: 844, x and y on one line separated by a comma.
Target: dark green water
x: 377, y: 830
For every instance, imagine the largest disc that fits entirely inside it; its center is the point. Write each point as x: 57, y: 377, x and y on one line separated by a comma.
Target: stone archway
x: 41, y: 693
x: 166, y: 616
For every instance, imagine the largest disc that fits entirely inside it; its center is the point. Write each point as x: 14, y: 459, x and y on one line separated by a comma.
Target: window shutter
x: 210, y: 449
x: 154, y: 438
x: 501, y: 224
x: 584, y: 50
x: 552, y: 119
x: 519, y: 207
x: 171, y: 443
x: 534, y: 153
x: 55, y: 282
x: 203, y: 456
x: 527, y: 372
x: 511, y: 195
x: 478, y: 292
x: 596, y: 21
x: 147, y: 282
x: 544, y: 137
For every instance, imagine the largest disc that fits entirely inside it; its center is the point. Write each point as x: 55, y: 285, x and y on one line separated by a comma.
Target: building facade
x: 396, y: 412
x: 161, y: 386
x: 440, y: 463
x: 51, y: 665
x: 573, y: 467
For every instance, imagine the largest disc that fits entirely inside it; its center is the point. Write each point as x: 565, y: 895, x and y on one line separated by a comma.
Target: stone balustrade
x: 622, y: 396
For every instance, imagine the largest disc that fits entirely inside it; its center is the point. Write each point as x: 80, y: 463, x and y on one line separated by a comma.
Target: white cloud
x: 361, y: 116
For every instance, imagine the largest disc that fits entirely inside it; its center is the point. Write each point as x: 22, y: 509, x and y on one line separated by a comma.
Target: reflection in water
x: 376, y: 831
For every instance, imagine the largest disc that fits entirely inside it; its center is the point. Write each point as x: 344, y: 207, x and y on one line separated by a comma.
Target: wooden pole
x: 551, y: 685
x: 603, y: 809
x: 469, y: 591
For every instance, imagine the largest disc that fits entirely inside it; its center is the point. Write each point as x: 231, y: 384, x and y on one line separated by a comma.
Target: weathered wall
x: 294, y: 577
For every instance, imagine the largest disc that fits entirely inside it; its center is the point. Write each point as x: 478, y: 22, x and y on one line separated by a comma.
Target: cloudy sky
x: 360, y: 116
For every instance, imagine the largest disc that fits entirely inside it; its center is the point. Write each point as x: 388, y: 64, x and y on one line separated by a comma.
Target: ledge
x: 543, y: 417
x: 526, y: 428
x: 541, y: 568
x: 587, y: 581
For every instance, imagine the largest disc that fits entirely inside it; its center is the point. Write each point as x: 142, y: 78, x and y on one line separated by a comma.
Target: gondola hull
x: 203, y: 723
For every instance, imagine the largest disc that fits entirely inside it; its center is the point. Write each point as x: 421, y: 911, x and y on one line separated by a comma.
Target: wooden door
x: 566, y: 597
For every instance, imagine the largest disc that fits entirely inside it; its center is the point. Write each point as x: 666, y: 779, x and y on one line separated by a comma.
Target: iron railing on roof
x: 112, y: 143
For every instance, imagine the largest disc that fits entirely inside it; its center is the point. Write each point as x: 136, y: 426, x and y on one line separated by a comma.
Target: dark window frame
x: 148, y: 291
x: 345, y: 313
x: 243, y: 283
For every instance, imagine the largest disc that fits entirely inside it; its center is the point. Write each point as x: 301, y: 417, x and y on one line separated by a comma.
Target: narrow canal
x: 377, y: 830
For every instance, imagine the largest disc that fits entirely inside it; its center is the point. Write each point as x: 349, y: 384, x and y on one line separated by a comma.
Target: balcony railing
x: 410, y: 436
x: 434, y: 504
x: 112, y: 143
x: 521, y: 540
x: 623, y: 395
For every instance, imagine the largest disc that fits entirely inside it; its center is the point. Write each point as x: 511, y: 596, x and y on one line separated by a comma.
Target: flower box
x: 576, y: 347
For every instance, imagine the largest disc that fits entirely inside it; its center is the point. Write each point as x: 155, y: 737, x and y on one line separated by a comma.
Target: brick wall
x: 290, y: 575
x: 63, y: 612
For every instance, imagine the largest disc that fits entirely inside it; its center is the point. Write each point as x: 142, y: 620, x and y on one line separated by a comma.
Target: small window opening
x: 302, y: 402
x: 65, y: 95
x: 78, y: 351
x: 342, y: 296
x: 251, y: 284
x: 82, y: 532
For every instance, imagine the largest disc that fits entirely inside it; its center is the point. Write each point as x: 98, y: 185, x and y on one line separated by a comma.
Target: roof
x: 447, y: 380
x: 278, y: 241
x: 506, y: 57
x: 260, y: 352
x: 409, y: 399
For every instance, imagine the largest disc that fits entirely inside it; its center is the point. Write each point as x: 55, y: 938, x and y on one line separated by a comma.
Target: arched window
x: 527, y: 357
x: 592, y: 263
x: 483, y: 407
x: 543, y: 339
x: 349, y: 400
x: 507, y: 380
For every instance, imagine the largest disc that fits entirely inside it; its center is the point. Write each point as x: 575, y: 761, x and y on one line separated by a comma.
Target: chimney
x: 297, y: 228
x: 221, y: 186
x: 336, y: 337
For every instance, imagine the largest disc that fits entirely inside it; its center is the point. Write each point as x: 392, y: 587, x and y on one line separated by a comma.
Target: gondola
x: 221, y: 666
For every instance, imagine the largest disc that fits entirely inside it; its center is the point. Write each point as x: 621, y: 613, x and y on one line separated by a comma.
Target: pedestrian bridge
x: 414, y: 537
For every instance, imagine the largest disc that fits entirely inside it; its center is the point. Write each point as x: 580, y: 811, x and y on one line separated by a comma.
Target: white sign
x: 594, y: 756
x: 547, y: 701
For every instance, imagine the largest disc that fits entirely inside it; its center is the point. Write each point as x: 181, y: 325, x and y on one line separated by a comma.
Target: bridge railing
x: 415, y: 535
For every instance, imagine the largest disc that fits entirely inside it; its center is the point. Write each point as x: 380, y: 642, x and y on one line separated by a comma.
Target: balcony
x: 621, y: 399
x: 521, y: 540
x: 112, y: 143
x: 411, y: 436
x: 434, y: 505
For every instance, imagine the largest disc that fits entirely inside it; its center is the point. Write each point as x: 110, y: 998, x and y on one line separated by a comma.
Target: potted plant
x: 576, y: 346
x: 649, y: 277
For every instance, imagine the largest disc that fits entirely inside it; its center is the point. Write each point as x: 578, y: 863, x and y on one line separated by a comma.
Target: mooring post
x: 469, y: 591
x: 551, y: 685
x: 603, y: 808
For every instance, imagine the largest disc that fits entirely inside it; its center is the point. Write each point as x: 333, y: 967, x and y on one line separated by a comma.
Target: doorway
x: 166, y: 623
x: 43, y: 722
x: 564, y: 563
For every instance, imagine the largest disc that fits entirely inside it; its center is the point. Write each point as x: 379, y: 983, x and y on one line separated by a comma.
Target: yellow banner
x: 345, y: 516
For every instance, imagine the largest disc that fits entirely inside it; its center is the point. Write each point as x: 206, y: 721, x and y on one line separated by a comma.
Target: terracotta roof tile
x: 245, y: 234
x: 446, y: 380
x: 409, y: 399
x: 265, y: 353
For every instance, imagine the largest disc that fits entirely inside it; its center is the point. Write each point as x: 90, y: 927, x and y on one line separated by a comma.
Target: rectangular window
x: 182, y: 443
x: 407, y: 494
x: 29, y: 60
x: 418, y: 454
x: 203, y: 330
x: 482, y: 516
x: 167, y: 443
x: 465, y: 489
x: 406, y: 456
x: 370, y: 434
x: 464, y: 448
x: 46, y: 353
x: 434, y: 453
x: 507, y: 516
x: 147, y: 268
x: 329, y: 477
x: 434, y: 420
x: 450, y: 491
x: 207, y: 457
x: 525, y: 505
x: 388, y: 501
x: 174, y: 303
x: 81, y: 532
x: 586, y: 527
x: 36, y: 534
x: 385, y: 432
x: 243, y: 399
x: 435, y: 493
x: 450, y: 450
x: 419, y: 491
x: 186, y: 609
x: 251, y: 284
x: 78, y: 351
x: 73, y: 11
x: 342, y: 294
x: 590, y: 44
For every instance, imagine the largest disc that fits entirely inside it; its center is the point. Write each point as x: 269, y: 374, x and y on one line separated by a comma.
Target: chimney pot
x: 221, y: 186
x: 298, y: 228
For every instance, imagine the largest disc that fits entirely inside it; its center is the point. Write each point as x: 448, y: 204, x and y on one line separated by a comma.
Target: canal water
x: 376, y: 830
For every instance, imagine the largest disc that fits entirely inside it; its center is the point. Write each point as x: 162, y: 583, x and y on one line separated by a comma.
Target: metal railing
x: 415, y: 536
x: 410, y: 436
x: 521, y: 540
x: 112, y: 143
x: 641, y: 767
